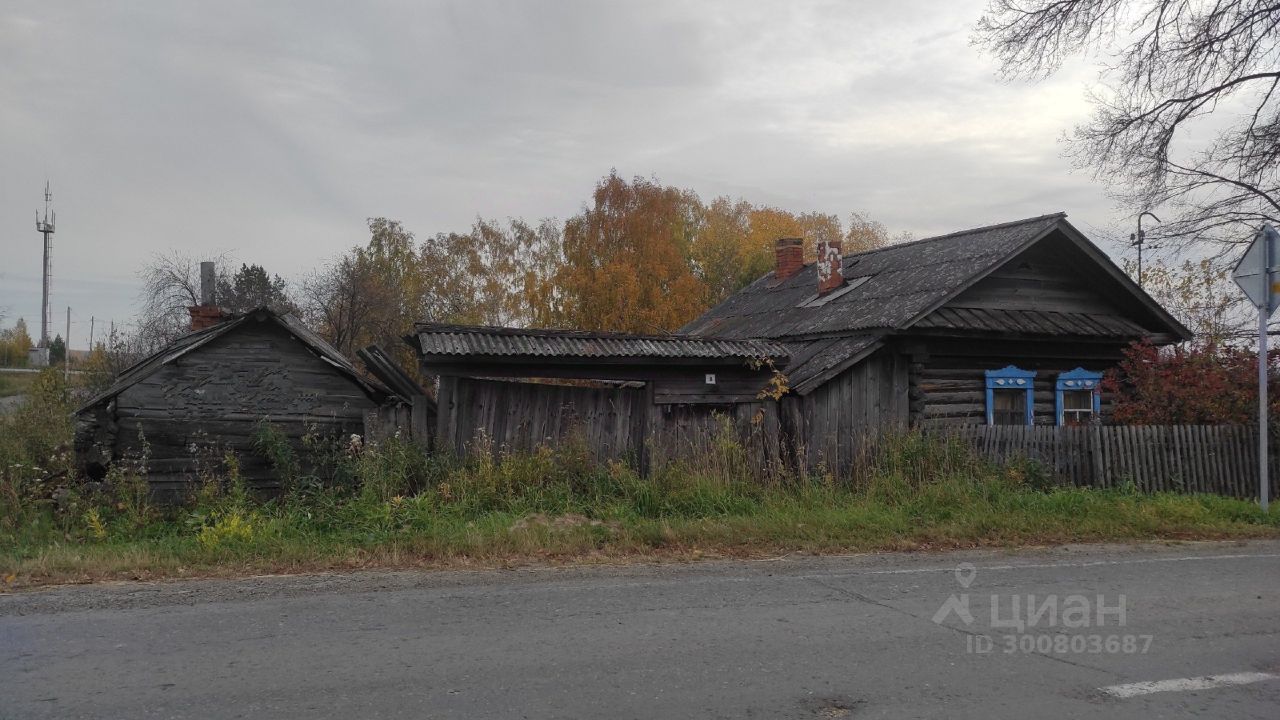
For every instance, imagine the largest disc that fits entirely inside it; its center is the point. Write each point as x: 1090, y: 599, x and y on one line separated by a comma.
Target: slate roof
x: 903, y: 281
x: 192, y: 341
x: 467, y: 340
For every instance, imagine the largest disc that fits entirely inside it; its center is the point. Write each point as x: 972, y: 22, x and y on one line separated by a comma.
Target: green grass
x: 393, y: 506
x: 15, y: 383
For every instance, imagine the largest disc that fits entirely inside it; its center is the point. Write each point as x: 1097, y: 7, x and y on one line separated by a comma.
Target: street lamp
x: 1138, y: 239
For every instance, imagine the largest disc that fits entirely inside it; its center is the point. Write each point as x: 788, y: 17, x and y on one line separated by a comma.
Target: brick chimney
x: 207, y: 313
x: 788, y: 257
x: 830, y: 266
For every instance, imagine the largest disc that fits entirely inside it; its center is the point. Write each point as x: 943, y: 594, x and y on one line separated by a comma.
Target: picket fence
x: 1220, y: 459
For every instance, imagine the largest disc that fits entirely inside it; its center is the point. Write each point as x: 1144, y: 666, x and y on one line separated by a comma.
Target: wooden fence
x: 621, y: 422
x: 519, y: 417
x: 1221, y: 459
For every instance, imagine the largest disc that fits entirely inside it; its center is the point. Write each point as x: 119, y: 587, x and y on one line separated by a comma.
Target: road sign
x: 1258, y: 276
x: 1258, y: 272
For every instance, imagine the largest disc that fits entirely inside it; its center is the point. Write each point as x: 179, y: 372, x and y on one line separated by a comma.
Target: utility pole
x: 91, y: 319
x: 1139, y: 239
x: 66, y: 349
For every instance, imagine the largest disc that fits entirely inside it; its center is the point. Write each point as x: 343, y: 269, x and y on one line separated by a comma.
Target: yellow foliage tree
x: 14, y: 344
x: 626, y: 259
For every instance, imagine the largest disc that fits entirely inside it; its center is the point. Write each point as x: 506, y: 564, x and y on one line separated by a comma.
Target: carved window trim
x: 1076, y: 381
x: 1011, y: 378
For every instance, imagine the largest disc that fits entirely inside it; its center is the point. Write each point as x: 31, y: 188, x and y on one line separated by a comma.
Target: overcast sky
x: 273, y: 130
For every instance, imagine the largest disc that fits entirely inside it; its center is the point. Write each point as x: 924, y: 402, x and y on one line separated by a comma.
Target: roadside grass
x: 390, y: 505
x: 12, y: 383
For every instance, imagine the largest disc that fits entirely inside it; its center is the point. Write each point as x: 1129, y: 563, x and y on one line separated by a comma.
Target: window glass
x: 1009, y: 407
x: 1077, y: 407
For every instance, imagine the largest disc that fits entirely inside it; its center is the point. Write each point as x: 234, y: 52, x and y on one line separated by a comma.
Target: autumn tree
x: 365, y: 295
x: 1186, y: 110
x: 641, y: 257
x: 1202, y: 295
x: 496, y: 274
x: 723, y: 255
x: 15, y: 342
x: 627, y: 258
x: 866, y: 234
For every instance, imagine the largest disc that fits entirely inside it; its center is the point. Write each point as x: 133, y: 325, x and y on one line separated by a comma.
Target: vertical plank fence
x: 1220, y: 459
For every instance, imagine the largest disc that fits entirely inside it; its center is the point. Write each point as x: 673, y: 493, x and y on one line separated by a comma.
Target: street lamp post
x: 1138, y: 240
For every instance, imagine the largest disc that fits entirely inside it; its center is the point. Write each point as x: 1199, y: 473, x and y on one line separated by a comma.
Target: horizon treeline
x: 639, y: 257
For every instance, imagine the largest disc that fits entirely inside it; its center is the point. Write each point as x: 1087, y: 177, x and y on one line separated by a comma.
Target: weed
x: 348, y: 502
x: 233, y: 528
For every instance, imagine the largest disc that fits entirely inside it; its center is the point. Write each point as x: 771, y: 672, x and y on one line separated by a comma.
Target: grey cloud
x: 275, y: 129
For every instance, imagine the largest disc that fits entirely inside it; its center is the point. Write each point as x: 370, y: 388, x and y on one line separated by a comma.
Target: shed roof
x: 193, y: 341
x: 893, y: 287
x: 470, y: 340
x: 814, y: 362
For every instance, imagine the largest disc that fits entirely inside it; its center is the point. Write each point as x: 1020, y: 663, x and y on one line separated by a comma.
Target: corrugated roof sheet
x: 463, y: 340
x: 904, y: 281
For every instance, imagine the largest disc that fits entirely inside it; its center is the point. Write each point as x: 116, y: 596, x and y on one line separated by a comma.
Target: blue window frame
x: 1009, y: 396
x: 1078, y: 397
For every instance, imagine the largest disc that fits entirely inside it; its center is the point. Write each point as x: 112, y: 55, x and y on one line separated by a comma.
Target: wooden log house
x: 1005, y: 324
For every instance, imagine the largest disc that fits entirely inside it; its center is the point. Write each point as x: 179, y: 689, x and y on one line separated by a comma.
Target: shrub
x: 1197, y: 385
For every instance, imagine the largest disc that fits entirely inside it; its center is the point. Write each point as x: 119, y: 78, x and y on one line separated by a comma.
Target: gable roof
x: 431, y: 339
x: 191, y: 342
x: 894, y: 287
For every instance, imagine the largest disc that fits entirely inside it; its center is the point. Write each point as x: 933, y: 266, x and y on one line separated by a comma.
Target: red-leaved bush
x: 1198, y: 385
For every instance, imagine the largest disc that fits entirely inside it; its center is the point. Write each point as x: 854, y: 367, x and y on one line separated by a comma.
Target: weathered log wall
x: 947, y: 376
x: 210, y: 402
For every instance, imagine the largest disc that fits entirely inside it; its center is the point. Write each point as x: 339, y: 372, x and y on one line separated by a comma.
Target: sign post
x: 1258, y: 275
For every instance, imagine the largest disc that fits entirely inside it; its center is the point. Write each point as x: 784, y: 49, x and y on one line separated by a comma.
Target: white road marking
x: 572, y: 584
x: 1207, y: 682
x: 1069, y: 563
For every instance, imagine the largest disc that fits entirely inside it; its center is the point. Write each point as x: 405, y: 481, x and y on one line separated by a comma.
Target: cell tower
x: 45, y: 227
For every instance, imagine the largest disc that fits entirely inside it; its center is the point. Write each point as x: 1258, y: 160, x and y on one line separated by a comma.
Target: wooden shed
x: 631, y: 397
x: 1013, y: 323
x: 206, y: 394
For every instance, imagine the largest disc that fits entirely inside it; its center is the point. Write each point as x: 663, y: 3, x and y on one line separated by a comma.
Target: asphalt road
x: 788, y: 638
